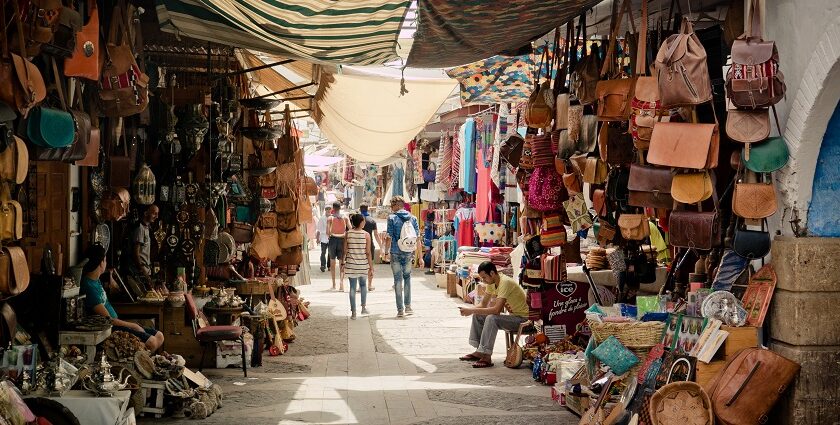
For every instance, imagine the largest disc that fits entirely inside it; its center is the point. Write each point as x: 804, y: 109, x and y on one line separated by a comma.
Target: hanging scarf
x: 501, y: 131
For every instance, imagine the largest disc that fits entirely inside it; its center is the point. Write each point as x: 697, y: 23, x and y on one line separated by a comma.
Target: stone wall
x: 805, y: 327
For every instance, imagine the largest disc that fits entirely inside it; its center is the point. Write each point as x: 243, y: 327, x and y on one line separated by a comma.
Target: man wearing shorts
x: 96, y: 300
x: 337, y: 226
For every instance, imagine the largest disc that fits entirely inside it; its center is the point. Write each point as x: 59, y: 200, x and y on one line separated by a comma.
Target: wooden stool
x: 153, y: 396
x: 510, y: 337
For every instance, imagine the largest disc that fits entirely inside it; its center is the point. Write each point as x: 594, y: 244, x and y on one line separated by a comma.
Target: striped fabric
x: 362, y: 32
x: 356, y: 262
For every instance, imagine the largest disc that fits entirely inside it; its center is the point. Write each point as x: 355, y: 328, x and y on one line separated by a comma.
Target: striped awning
x: 360, y: 32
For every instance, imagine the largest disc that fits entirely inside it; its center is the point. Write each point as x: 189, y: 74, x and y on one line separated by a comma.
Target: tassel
x: 403, y: 90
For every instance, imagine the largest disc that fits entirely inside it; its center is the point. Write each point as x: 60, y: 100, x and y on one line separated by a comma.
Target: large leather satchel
x: 691, y: 229
x: 681, y: 69
x: 650, y: 187
x: 685, y: 145
x: 754, y: 79
x: 14, y: 271
x: 266, y: 244
x: 747, y: 388
x: 21, y: 83
x: 84, y: 62
x: 615, y: 95
x: 123, y: 86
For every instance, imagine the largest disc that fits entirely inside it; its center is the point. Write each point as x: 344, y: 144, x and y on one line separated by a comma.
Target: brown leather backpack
x: 586, y: 72
x: 615, y: 94
x: 745, y: 390
x: 754, y: 79
x: 682, y: 71
x: 21, y: 83
x: 124, y: 87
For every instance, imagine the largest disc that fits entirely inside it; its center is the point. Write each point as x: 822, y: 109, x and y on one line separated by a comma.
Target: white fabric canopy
x: 367, y: 118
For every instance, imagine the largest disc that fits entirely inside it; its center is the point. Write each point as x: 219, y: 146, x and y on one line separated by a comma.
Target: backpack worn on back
x: 408, y: 237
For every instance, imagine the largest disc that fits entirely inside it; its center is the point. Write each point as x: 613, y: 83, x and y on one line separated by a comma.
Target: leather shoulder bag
x: 754, y: 200
x: 614, y: 95
x: 84, y: 62
x: 11, y: 217
x: 650, y: 187
x: 615, y: 143
x: 49, y: 127
x: 691, y: 188
x: 682, y: 71
x: 754, y: 79
x: 123, y: 86
x: 14, y: 271
x: 584, y: 78
x: 751, y: 244
x: 696, y: 229
x: 21, y: 83
x: 634, y: 227
x: 78, y: 150
x: 685, y: 145
x: 768, y: 156
x: 14, y: 161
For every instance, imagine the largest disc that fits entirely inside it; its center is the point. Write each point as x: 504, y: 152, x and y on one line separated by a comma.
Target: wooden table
x: 88, y: 339
x: 141, y: 310
x: 222, y: 316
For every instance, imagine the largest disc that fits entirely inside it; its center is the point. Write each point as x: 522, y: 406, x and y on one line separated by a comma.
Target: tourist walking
x: 371, y: 228
x: 337, y: 226
x: 357, y: 262
x: 403, y: 230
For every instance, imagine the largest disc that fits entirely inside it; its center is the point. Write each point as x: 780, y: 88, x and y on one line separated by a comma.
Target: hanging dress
x: 468, y: 156
x: 399, y: 174
x: 464, y: 226
x: 483, y: 207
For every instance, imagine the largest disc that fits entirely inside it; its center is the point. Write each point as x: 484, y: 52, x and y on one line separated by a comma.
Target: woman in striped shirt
x: 358, y: 262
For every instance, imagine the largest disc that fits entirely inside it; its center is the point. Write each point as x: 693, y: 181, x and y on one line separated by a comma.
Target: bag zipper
x: 687, y: 81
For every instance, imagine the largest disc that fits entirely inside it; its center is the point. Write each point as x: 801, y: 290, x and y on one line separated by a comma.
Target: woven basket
x: 681, y: 403
x: 630, y: 334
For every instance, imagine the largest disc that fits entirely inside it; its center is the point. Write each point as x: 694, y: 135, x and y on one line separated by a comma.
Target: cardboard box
x: 440, y: 280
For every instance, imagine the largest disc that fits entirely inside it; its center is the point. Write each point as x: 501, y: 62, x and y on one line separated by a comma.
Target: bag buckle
x: 763, y: 419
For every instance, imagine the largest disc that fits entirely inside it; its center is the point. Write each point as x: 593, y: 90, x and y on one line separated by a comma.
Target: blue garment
x: 95, y: 295
x: 395, y: 223
x: 362, y: 287
x: 428, y: 235
x: 399, y: 175
x: 468, y: 156
x: 401, y: 266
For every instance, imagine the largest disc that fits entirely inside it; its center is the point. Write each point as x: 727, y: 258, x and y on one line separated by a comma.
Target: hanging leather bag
x: 696, y: 229
x: 634, y: 227
x: 79, y: 149
x: 63, y: 42
x: 265, y: 245
x: 682, y: 71
x: 751, y: 244
x: 115, y: 204
x: 646, y: 105
x: 754, y: 79
x: 539, y: 111
x: 614, y: 95
x: 748, y: 126
x: 84, y: 62
x: 747, y: 388
x: 51, y: 128
x: 21, y: 83
x: 691, y: 188
x: 685, y: 145
x: 14, y: 161
x: 11, y: 216
x: 511, y: 149
x: 14, y: 271
x: 584, y: 79
x: 242, y: 232
x: 754, y: 200
x: 615, y: 143
x: 650, y: 187
x: 123, y: 86
x: 768, y: 156
x: 595, y: 171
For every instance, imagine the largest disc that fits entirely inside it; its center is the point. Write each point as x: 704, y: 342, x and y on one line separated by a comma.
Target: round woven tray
x: 681, y: 403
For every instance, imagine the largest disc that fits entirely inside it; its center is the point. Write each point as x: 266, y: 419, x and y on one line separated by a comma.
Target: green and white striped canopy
x: 362, y: 32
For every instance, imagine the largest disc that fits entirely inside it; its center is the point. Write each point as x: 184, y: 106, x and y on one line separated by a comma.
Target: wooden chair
x: 206, y: 334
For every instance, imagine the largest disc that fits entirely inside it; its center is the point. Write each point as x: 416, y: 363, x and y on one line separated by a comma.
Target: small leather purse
x: 751, y: 244
x: 754, y: 200
x: 691, y: 188
x: 634, y: 226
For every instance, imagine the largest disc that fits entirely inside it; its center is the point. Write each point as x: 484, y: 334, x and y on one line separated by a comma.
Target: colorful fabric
x: 360, y: 32
x: 490, y: 234
x: 455, y: 175
x: 456, y: 33
x: 468, y: 153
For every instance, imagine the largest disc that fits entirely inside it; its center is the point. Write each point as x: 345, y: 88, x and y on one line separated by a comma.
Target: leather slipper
x: 482, y: 364
x: 469, y: 358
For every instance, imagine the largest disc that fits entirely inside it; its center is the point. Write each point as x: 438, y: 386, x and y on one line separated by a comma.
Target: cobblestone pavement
x: 381, y: 370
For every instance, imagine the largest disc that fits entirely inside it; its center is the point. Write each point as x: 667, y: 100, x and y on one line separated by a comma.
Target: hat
x: 95, y: 254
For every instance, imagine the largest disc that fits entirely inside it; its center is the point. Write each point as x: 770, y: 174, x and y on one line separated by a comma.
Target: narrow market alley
x: 381, y: 370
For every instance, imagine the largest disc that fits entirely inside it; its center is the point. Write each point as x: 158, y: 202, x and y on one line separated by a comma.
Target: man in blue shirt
x: 401, y: 261
x: 96, y: 300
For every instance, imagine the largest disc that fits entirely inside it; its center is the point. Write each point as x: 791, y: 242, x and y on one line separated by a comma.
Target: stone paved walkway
x: 382, y: 370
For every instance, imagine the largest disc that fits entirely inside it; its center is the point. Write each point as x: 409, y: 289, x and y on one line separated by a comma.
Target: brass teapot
x: 102, y: 383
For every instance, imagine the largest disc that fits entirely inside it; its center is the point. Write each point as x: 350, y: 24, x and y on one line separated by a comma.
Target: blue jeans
x: 401, y: 266
x: 362, y: 287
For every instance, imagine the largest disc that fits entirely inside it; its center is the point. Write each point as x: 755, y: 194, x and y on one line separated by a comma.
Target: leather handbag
x: 78, y: 150
x: 115, y: 204
x: 690, y: 229
x: 615, y: 143
x: 617, y: 185
x: 748, y: 126
x: 595, y: 171
x: 14, y: 161
x: 565, y: 147
x: 751, y: 244
x: 11, y: 217
x: 614, y: 95
x: 754, y: 79
x: 606, y: 232
x: 285, y: 204
x: 119, y: 167
x: 265, y: 245
x: 766, y: 157
x: 290, y: 239
x: 511, y: 149
x: 290, y: 257
x: 84, y: 62
x: 50, y: 128
x: 572, y: 182
x: 14, y: 271
x: 748, y: 386
x: 650, y: 187
x: 561, y: 112
x: 124, y: 87
x: 691, y: 188
x: 681, y: 69
x: 63, y: 42
x: 599, y: 202
x: 540, y: 109
x: 634, y: 227
x: 647, y: 111
x: 242, y: 232
x: 685, y: 145
x: 588, y: 134
x: 21, y: 83
x: 754, y: 200
x: 287, y: 221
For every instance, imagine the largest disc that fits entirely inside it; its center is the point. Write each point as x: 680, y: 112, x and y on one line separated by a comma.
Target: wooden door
x: 53, y: 214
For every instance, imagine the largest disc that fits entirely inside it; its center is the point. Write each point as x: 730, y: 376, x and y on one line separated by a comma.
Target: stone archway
x: 810, y: 112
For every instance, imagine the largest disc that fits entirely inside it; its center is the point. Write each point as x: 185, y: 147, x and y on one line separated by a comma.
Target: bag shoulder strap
x: 609, y: 59
x: 641, y: 49
x: 754, y: 20
x: 58, y: 84
x: 117, y: 28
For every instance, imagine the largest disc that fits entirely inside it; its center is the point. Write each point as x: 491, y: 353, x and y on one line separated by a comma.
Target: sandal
x: 482, y: 364
x: 469, y: 358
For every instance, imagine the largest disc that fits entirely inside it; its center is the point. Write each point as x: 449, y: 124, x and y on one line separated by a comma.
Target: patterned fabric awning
x: 452, y: 33
x: 499, y: 79
x: 360, y: 32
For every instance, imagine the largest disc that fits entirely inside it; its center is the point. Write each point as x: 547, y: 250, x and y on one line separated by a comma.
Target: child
x: 358, y: 262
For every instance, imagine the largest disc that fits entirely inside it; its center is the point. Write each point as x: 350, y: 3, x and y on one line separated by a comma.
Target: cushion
x: 615, y: 355
x: 218, y: 333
